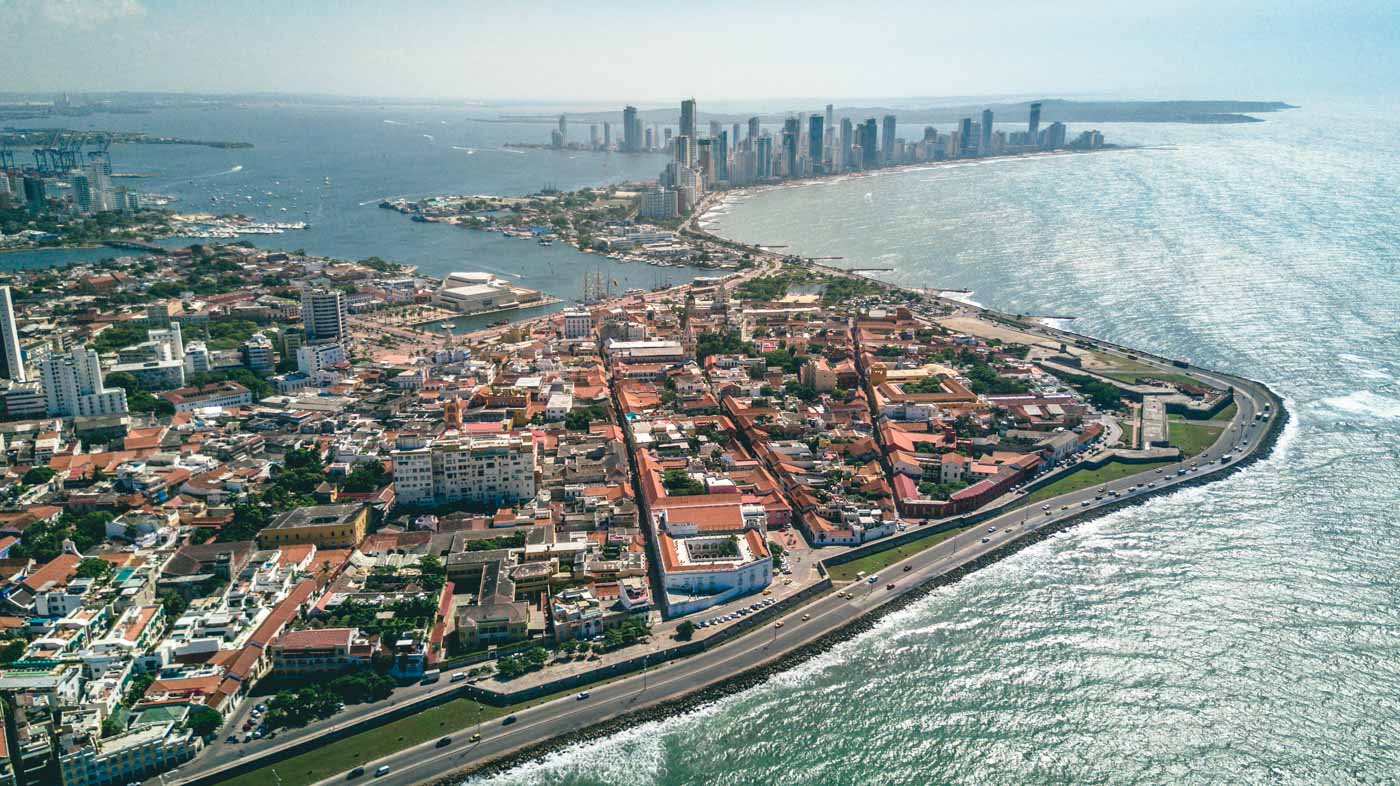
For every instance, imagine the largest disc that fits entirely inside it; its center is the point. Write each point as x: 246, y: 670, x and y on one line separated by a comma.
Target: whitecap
x: 1363, y: 404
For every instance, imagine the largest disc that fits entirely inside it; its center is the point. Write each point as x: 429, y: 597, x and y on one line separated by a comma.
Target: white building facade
x: 490, y: 469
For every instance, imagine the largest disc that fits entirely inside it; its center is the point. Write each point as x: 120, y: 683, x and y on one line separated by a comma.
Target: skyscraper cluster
x: 820, y: 143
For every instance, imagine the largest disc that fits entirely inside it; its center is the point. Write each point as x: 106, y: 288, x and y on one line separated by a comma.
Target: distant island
x: 1051, y: 109
x: 40, y: 137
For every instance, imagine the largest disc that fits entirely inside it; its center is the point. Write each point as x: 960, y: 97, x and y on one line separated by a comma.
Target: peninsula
x: 263, y: 511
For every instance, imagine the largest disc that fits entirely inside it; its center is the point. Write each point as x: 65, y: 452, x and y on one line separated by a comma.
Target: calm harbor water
x: 331, y: 166
x: 1244, y: 632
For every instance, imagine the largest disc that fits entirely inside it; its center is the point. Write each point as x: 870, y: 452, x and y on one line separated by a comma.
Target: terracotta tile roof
x: 59, y: 569
x: 315, y: 639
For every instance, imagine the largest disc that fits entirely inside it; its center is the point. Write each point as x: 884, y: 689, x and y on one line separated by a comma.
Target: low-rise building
x: 325, y: 526
x: 217, y: 394
x: 323, y: 651
x: 129, y: 757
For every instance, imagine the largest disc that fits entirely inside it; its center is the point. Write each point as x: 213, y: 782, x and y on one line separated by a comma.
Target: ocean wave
x: 1362, y: 404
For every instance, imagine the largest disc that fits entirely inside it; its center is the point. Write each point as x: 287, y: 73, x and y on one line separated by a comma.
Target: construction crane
x: 7, y: 156
x: 100, y: 154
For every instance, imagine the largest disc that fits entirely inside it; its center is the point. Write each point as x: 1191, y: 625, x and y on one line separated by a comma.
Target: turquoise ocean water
x: 1243, y: 632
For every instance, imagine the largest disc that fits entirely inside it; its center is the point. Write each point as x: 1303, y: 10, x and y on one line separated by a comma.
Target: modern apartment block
x: 490, y: 469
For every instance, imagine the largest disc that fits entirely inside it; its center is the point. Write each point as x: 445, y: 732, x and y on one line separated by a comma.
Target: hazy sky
x: 651, y: 50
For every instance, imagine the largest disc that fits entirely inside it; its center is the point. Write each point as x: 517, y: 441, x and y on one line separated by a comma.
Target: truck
x: 431, y: 675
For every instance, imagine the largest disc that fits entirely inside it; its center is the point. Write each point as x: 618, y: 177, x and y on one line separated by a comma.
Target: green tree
x: 119, y: 336
x: 136, y: 689
x: 37, y: 476
x: 679, y: 483
x: 366, y: 477
x: 93, y: 568
x: 203, y: 721
x: 174, y: 604
x: 13, y: 650
x: 685, y: 631
x: 509, y: 667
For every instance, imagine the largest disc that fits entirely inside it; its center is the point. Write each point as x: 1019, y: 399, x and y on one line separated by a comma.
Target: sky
x: 721, y: 50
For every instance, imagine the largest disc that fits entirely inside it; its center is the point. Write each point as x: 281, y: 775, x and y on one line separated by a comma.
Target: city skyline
x: 369, y: 50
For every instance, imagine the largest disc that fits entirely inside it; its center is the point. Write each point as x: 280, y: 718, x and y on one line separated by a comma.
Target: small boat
x: 546, y: 242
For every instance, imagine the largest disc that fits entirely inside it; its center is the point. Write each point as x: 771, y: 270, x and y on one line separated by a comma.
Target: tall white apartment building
x: 73, y: 386
x: 323, y: 314
x: 494, y: 469
x: 11, y: 361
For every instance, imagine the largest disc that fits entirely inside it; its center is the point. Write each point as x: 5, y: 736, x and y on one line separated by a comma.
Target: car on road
x: 1045, y: 507
x: 873, y: 579
x: 1086, y: 503
x: 806, y: 617
x: 778, y: 624
x: 458, y: 677
x: 444, y: 742
x: 381, y: 771
x: 889, y: 586
x: 583, y: 695
x: 508, y: 720
x: 908, y: 568
x: 991, y: 529
x: 355, y: 773
x: 476, y: 737
x: 986, y: 540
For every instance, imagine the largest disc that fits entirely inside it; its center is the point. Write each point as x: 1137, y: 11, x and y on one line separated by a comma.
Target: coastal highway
x: 823, y: 616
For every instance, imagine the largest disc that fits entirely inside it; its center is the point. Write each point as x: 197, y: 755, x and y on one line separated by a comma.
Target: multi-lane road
x: 821, y: 617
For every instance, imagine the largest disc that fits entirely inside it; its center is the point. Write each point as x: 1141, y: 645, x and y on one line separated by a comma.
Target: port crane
x: 101, y: 155
x: 7, y: 156
x: 70, y: 149
x: 41, y: 153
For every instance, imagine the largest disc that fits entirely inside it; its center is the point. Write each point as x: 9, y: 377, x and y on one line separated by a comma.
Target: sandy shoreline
x: 733, y: 195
